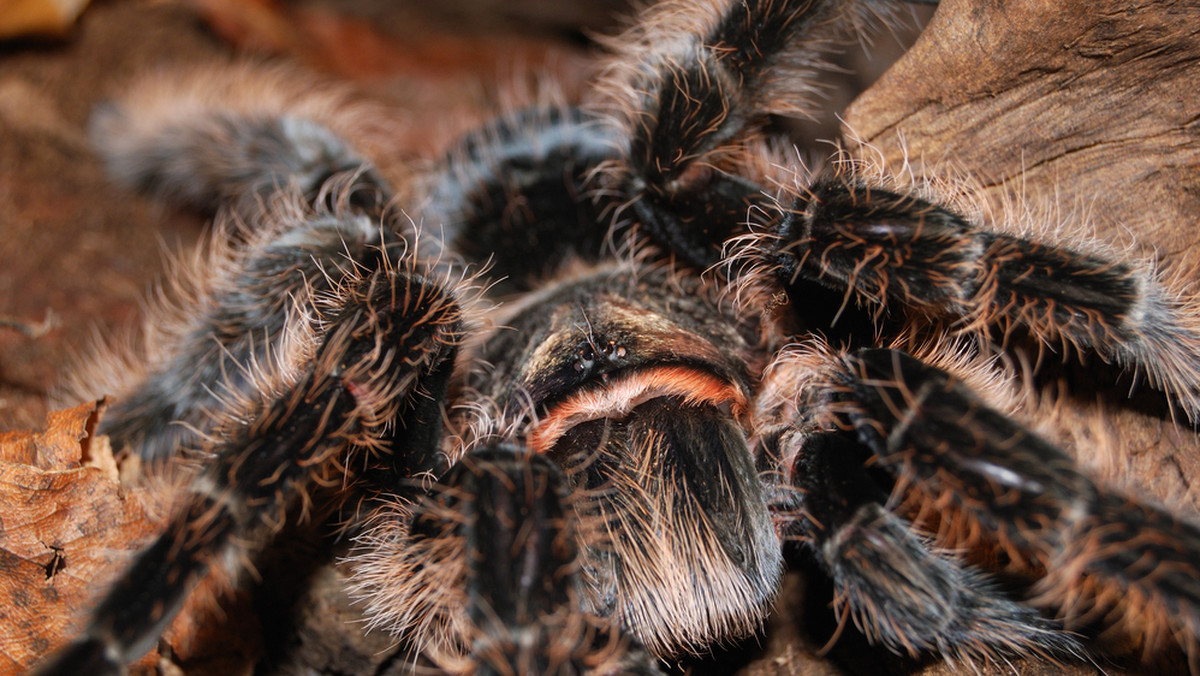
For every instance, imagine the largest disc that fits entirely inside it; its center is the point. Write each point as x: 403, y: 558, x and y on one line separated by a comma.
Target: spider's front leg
x: 395, y: 334
x: 632, y: 380
x: 887, y: 249
x: 936, y: 449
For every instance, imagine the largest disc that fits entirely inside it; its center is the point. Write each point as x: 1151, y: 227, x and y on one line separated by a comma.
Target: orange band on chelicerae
x: 621, y: 395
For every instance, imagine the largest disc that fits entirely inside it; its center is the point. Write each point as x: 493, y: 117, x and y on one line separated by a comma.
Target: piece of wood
x: 1093, y: 106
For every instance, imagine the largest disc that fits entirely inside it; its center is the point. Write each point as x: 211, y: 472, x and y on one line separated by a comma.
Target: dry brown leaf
x: 64, y: 523
x: 67, y: 527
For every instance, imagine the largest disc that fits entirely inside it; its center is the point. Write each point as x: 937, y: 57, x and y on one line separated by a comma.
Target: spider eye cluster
x: 589, y: 355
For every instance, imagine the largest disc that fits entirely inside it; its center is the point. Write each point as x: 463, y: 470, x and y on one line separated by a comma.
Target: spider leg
x: 393, y: 329
x: 201, y: 140
x: 300, y: 216
x: 898, y: 589
x: 695, y: 83
x: 692, y: 92
x: 1103, y: 552
x: 516, y: 195
x: 886, y: 248
x: 1105, y: 557
x: 228, y: 314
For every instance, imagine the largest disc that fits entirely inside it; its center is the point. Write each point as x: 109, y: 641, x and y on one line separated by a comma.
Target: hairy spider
x: 695, y: 366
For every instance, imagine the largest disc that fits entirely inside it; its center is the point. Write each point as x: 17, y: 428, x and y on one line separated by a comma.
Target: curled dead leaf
x: 68, y: 525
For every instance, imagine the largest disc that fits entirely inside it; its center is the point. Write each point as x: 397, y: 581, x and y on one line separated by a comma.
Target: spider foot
x: 914, y: 599
x: 899, y: 589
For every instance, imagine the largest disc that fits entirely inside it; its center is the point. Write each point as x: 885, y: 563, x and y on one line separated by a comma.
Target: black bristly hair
x: 248, y: 305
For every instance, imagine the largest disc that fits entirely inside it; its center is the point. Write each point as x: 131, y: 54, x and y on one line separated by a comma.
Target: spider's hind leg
x: 233, y: 136
x: 301, y: 213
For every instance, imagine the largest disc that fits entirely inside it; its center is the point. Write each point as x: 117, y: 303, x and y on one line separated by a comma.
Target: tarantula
x: 693, y: 367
